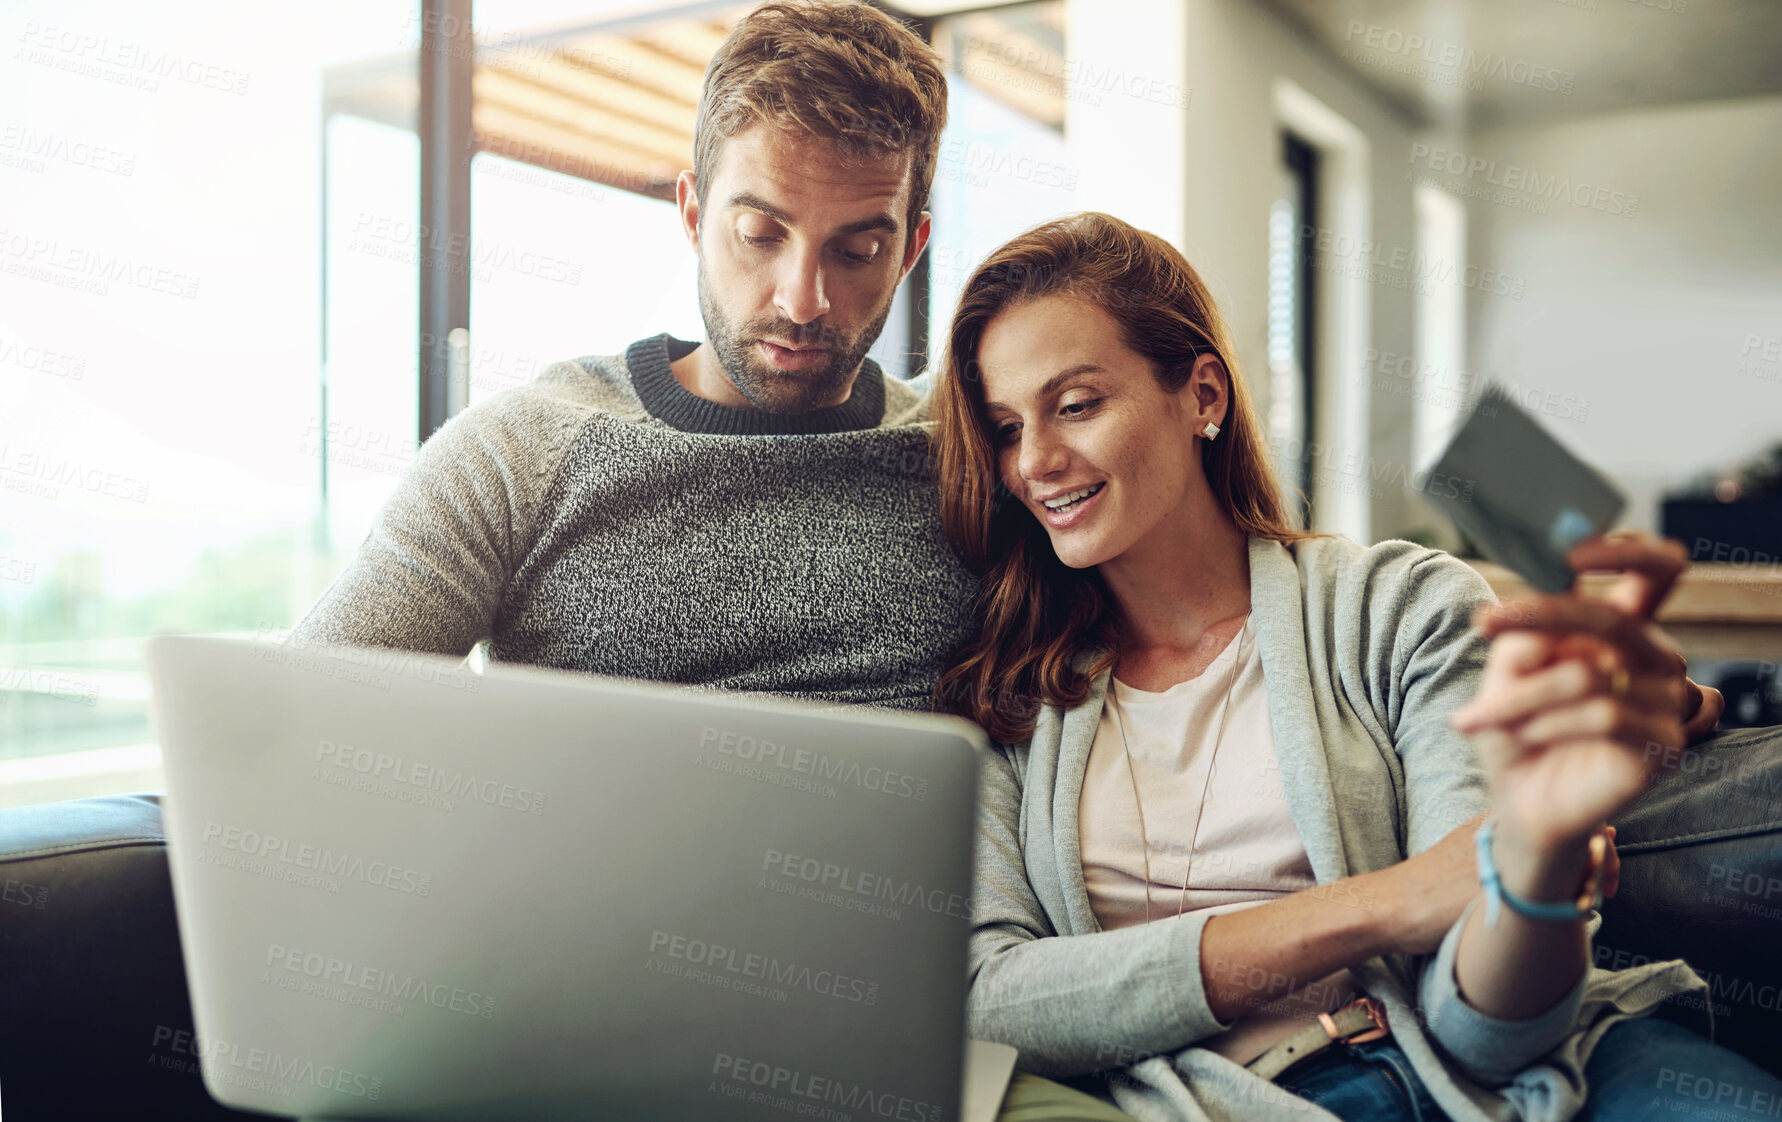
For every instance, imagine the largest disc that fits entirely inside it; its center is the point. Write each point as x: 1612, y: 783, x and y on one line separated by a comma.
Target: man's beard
x: 785, y: 391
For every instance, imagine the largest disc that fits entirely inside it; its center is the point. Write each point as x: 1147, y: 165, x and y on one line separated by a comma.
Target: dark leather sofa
x: 93, y: 1004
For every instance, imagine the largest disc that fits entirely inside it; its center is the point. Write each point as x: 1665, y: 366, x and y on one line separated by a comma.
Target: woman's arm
x: 1076, y: 1004
x: 1565, y: 751
x: 1254, y: 956
x: 1430, y: 666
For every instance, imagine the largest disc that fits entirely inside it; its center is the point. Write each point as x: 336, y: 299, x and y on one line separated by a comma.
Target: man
x: 754, y: 513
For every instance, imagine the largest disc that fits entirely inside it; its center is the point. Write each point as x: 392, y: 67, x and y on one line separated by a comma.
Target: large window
x: 161, y: 333
x: 581, y: 130
x: 1003, y: 165
x: 621, y: 270
x: 1440, y: 337
x: 215, y: 354
x: 1291, y: 366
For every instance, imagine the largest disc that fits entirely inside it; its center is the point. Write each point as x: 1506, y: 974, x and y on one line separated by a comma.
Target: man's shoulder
x: 533, y: 423
x: 907, y: 400
x: 600, y: 383
x: 560, y: 398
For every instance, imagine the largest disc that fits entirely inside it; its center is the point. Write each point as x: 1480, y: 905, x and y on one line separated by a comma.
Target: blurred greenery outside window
x: 580, y: 130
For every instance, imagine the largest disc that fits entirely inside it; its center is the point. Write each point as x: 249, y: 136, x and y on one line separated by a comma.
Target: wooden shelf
x: 1713, y: 611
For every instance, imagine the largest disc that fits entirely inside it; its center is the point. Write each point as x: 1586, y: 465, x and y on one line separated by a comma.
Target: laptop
x: 410, y: 891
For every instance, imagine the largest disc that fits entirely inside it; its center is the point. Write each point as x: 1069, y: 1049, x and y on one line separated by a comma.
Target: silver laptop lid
x: 409, y: 891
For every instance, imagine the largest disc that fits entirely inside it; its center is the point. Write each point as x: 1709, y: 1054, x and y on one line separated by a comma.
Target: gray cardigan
x: 1365, y: 651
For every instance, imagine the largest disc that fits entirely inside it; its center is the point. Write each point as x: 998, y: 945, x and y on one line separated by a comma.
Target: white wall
x: 1204, y: 174
x: 1645, y: 322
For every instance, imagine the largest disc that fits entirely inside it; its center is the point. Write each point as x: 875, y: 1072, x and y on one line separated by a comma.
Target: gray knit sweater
x: 602, y: 518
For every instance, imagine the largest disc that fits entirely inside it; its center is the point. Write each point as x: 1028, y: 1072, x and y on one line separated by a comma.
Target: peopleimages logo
x: 800, y: 1092
x: 1389, y: 41
x: 1514, y: 177
x: 57, y: 364
x: 826, y: 876
x: 987, y: 160
x: 259, y: 1068
x: 329, y: 970
x: 319, y: 859
x: 1764, y: 995
x: 24, y: 894
x: 807, y: 762
x: 763, y: 968
x: 123, y: 62
x: 34, y: 146
x: 1400, y: 267
x: 50, y: 472
x: 85, y: 268
x: 48, y: 683
x: 426, y: 777
x: 1026, y: 65
x: 379, y: 234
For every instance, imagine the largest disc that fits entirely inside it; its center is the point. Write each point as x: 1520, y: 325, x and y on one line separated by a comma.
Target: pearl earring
x: 1210, y: 431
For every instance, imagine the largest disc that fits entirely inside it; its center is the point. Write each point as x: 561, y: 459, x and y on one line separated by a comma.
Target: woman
x: 1222, y: 738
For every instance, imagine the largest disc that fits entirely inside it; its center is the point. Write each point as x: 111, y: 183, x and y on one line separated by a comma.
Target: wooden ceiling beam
x: 577, y: 83
x: 643, y: 65
x: 518, y: 136
x: 588, y: 117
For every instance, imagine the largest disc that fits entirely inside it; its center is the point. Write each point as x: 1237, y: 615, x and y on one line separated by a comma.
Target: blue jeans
x: 1641, y: 1069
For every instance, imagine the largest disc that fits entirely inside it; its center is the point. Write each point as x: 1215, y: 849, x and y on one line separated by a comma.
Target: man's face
x: 800, y: 252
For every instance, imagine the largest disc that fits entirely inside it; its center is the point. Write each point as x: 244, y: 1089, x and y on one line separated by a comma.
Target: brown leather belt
x: 1361, y: 1020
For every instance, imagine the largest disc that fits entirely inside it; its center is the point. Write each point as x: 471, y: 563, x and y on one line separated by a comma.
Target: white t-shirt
x: 1245, y: 847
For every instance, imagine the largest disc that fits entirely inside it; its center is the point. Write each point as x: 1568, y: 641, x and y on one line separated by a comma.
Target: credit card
x: 1527, y: 500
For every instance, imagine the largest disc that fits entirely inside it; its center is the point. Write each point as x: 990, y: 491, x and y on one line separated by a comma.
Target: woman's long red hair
x: 1036, y: 614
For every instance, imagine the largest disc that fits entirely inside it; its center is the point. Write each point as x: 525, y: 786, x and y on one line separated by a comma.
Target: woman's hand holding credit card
x: 1584, y: 697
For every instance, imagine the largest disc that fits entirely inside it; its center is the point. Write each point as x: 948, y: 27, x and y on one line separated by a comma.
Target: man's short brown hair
x: 842, y: 71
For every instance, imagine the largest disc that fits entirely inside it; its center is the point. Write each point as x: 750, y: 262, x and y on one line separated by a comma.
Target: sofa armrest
x: 92, y: 986
x: 1701, y: 880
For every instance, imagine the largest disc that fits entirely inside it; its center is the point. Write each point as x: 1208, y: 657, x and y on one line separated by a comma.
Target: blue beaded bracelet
x: 1588, y: 900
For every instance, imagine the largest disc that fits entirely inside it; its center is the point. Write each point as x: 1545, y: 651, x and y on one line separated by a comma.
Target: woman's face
x: 1076, y: 415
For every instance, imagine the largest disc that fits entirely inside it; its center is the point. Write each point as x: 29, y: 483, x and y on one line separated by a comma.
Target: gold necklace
x: 1126, y: 751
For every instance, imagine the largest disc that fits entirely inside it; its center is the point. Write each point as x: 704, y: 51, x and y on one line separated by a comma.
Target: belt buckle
x: 1375, y: 1013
